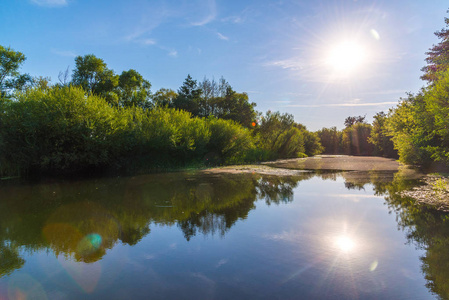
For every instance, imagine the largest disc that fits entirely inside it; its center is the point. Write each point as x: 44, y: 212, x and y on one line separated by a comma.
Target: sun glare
x: 346, y: 57
x: 345, y: 244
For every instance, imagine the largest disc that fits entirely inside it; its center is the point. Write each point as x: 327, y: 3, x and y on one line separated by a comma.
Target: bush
x: 229, y: 141
x: 61, y: 130
x: 58, y: 129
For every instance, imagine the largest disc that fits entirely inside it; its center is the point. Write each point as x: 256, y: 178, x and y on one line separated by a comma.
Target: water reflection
x: 425, y: 228
x: 81, y: 222
x: 345, y: 243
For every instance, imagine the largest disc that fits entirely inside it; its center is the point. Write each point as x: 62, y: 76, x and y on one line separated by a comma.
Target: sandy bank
x: 297, y: 166
x: 255, y: 169
x: 338, y: 163
x: 434, y: 192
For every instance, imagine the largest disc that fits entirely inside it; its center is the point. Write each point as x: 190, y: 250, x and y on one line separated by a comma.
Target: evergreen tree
x: 437, y: 56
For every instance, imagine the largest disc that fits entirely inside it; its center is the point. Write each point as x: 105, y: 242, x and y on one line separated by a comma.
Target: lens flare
x: 373, y: 266
x: 90, y: 243
x: 23, y: 286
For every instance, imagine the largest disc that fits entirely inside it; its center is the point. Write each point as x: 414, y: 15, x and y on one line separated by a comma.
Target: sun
x: 346, y: 57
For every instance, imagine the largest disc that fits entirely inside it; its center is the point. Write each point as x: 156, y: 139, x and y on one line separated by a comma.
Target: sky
x: 321, y: 60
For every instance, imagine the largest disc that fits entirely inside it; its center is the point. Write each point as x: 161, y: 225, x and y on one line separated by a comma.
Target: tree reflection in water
x: 425, y: 227
x: 81, y: 220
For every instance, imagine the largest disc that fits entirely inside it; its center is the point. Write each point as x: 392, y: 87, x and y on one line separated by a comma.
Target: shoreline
x: 433, y: 192
x: 338, y: 163
x: 326, y: 163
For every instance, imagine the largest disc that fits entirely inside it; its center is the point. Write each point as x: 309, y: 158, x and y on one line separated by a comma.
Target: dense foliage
x: 419, y: 124
x: 10, y: 77
x: 353, y: 140
x: 60, y: 129
x: 330, y: 138
x: 98, y: 120
x: 383, y: 144
x: 280, y: 137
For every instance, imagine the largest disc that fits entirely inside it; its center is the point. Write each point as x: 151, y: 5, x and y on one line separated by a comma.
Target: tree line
x: 95, y: 119
x: 359, y: 138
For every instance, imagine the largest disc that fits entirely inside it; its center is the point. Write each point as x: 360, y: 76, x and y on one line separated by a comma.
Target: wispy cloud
x: 286, y: 236
x: 297, y: 94
x: 292, y: 64
x: 242, y: 17
x: 212, y: 14
x: 282, y: 101
x: 65, y: 53
x: 147, y: 41
x: 387, y: 92
x: 140, y: 40
x: 233, y: 19
x: 151, y: 42
x: 221, y: 262
x: 148, y: 17
x: 352, y: 104
x: 170, y: 51
x: 173, y: 53
x: 50, y: 3
x: 222, y: 37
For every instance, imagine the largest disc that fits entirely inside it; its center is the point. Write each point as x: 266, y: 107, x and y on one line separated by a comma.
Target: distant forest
x: 93, y: 119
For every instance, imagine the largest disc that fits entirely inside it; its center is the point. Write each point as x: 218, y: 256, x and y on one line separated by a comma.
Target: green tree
x: 59, y: 130
x: 279, y: 135
x: 349, y: 121
x: 93, y: 75
x: 437, y: 56
x: 355, y: 140
x: 330, y: 138
x: 133, y: 90
x: 273, y: 125
x: 405, y: 125
x: 220, y: 100
x: 10, y: 78
x: 229, y: 142
x: 312, y: 144
x: 236, y: 106
x: 419, y: 124
x: 383, y: 145
x: 164, y: 97
x: 188, y: 96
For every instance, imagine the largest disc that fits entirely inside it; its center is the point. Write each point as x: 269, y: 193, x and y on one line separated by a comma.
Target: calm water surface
x: 240, y: 236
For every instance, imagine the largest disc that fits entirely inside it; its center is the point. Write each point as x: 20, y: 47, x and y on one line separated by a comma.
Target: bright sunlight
x: 345, y: 243
x: 346, y: 57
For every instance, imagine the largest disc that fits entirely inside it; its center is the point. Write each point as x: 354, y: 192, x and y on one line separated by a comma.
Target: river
x: 193, y: 235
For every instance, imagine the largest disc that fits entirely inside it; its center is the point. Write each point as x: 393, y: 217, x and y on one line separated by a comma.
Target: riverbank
x: 433, y: 192
x: 315, y: 163
x: 338, y: 163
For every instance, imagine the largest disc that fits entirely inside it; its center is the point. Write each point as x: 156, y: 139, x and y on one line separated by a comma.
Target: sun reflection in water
x: 345, y: 244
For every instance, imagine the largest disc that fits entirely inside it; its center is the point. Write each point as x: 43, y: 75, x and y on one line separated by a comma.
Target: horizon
x: 320, y: 61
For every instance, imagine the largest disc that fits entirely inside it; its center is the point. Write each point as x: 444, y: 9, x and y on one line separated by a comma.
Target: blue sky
x: 276, y: 51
